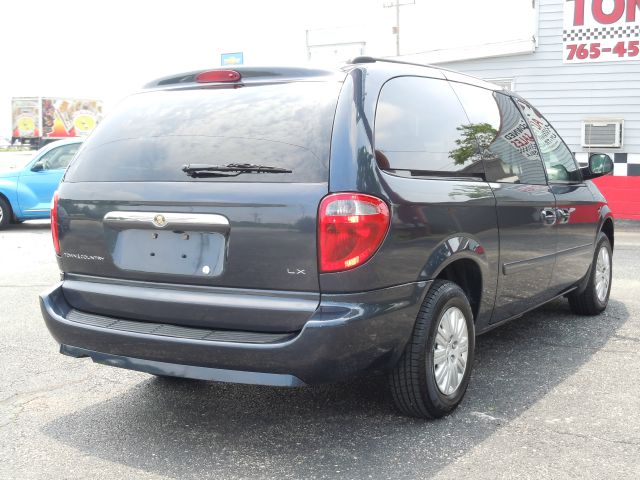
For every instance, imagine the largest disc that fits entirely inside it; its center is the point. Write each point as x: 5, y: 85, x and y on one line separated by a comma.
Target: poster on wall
x: 601, y: 31
x: 64, y: 117
x: 231, y: 59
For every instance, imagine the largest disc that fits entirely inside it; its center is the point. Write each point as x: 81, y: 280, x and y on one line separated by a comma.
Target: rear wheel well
x: 467, y: 275
x: 607, y: 229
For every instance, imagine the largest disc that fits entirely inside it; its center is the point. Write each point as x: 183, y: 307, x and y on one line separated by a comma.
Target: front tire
x: 595, y: 297
x: 432, y: 376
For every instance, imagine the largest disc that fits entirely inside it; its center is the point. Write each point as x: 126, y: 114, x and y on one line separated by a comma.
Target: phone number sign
x: 601, y: 31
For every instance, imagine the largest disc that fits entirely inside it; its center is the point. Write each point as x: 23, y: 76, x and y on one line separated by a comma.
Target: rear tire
x: 595, y: 297
x: 5, y: 213
x: 430, y: 379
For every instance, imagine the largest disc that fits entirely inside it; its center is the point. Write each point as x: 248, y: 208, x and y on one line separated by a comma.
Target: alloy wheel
x: 603, y: 273
x: 450, y: 351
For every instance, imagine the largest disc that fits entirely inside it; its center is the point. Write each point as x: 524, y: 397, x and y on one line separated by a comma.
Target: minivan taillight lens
x: 54, y: 223
x: 351, y: 227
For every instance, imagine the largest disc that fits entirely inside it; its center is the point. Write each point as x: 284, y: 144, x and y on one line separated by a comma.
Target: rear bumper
x: 347, y: 334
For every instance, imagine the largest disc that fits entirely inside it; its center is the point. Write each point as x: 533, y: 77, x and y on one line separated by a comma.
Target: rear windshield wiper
x: 199, y: 170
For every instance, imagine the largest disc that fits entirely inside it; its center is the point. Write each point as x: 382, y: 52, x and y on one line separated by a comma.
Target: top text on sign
x: 601, y: 30
x: 619, y: 8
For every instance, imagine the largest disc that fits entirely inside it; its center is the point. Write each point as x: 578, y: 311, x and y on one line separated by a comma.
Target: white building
x: 581, y: 68
x: 593, y: 101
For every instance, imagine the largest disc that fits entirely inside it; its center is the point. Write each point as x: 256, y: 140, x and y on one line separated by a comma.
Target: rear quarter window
x: 151, y: 135
x: 420, y: 126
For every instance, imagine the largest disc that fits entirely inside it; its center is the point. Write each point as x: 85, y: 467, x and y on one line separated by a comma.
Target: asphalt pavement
x: 553, y: 395
x: 14, y: 160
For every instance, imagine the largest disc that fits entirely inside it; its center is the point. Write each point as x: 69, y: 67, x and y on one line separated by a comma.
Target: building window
x: 506, y: 83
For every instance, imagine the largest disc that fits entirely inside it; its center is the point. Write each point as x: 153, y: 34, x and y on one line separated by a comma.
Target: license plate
x: 175, y: 253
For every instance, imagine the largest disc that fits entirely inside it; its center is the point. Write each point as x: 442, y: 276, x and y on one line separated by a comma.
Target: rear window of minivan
x: 152, y: 135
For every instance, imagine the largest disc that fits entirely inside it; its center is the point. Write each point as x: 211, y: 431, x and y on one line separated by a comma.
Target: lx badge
x: 296, y: 272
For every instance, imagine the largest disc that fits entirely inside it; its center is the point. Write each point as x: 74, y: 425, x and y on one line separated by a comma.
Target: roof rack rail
x: 386, y: 60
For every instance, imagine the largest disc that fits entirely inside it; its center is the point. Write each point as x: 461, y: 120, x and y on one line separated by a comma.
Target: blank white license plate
x: 177, y: 253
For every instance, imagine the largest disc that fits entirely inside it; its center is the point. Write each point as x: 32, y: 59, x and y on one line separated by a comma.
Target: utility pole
x: 396, y: 29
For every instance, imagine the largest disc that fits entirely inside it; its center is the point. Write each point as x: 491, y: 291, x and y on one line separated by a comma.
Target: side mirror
x: 38, y: 166
x: 599, y: 164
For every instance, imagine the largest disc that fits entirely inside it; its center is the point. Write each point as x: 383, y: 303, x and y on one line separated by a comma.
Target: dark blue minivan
x: 288, y: 226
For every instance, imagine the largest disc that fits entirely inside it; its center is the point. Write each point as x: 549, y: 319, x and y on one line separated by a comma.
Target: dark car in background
x: 289, y: 226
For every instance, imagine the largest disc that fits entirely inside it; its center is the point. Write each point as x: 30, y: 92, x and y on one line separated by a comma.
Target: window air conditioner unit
x: 602, y: 133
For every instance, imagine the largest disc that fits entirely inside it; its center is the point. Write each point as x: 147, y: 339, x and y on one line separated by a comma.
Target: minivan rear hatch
x: 129, y: 211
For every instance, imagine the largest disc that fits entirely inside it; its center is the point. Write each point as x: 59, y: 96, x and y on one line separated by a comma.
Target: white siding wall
x: 566, y: 93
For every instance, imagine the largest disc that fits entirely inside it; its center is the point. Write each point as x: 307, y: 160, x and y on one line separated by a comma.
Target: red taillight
x: 54, y: 223
x: 213, y: 76
x: 351, y: 227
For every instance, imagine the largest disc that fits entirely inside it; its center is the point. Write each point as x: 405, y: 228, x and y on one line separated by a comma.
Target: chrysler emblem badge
x: 159, y: 220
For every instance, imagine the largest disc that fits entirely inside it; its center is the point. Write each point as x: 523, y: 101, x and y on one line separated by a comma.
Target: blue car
x: 26, y: 194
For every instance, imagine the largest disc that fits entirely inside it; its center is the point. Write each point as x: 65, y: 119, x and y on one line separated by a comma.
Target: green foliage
x: 474, y: 138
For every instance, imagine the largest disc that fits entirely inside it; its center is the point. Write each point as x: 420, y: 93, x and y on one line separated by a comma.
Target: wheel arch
x: 608, y: 228
x: 12, y: 211
x: 461, y: 259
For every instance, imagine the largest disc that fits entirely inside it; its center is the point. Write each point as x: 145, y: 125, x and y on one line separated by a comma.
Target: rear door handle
x: 548, y: 216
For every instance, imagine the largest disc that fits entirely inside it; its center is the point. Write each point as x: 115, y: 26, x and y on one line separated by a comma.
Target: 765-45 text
x: 584, y: 51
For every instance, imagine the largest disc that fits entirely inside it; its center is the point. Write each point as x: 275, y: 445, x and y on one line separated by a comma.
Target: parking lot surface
x: 553, y: 395
x: 14, y: 160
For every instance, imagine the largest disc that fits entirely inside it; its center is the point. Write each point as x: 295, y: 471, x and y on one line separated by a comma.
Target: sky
x: 109, y: 49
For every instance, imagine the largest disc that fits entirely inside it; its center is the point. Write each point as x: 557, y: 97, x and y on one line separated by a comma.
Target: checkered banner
x: 601, y: 31
x: 586, y: 34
